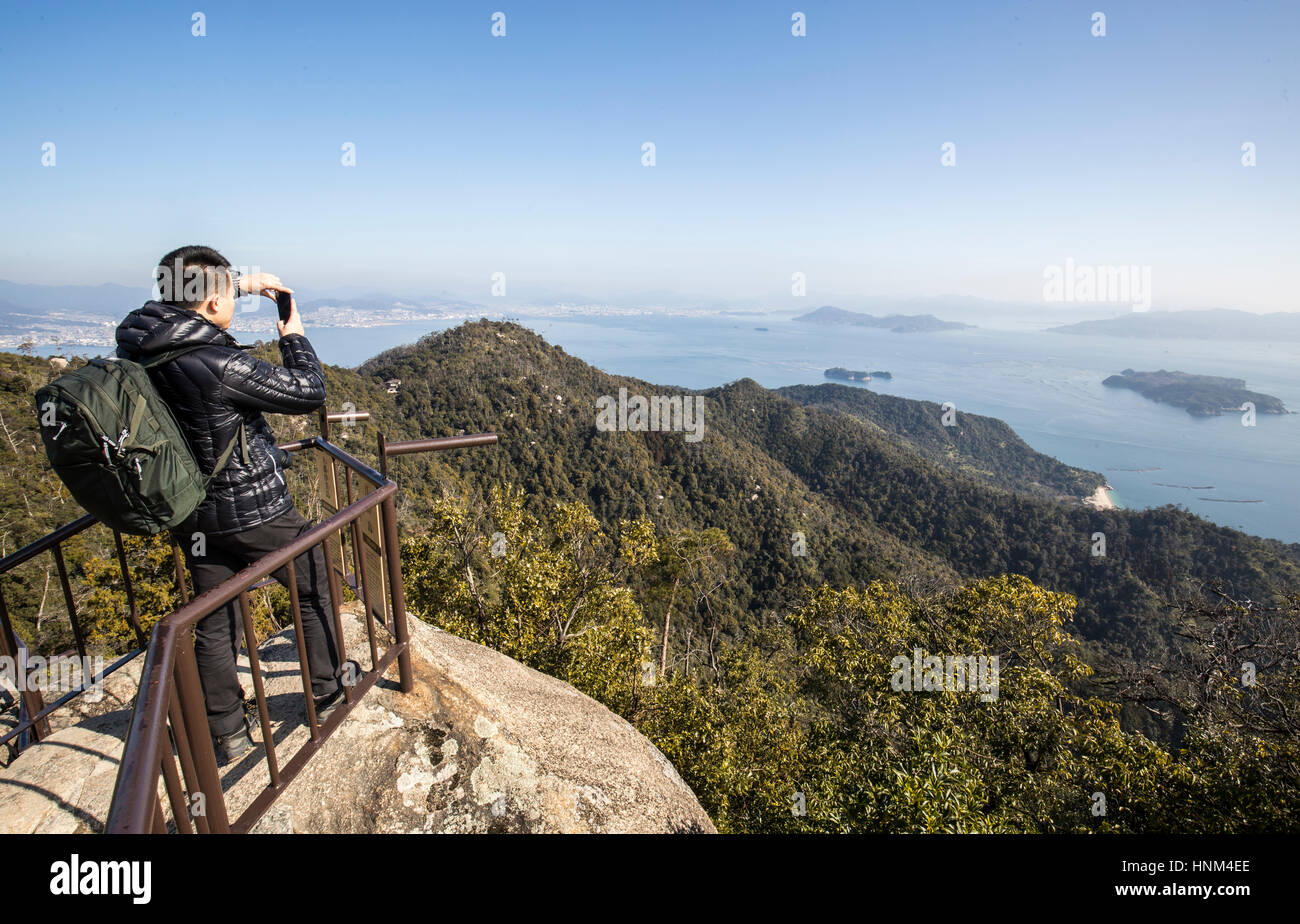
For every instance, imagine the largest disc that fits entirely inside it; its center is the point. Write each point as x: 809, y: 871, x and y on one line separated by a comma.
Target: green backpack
x: 116, y: 445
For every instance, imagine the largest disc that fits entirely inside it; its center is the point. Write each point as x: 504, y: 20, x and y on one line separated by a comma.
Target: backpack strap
x: 227, y: 452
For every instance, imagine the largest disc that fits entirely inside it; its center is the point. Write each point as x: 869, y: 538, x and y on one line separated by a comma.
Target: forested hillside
x: 872, y: 486
x: 983, y: 447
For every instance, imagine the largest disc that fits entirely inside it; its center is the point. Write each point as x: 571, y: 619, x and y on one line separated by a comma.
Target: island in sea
x: 897, y: 323
x: 1211, y: 324
x: 1199, y: 395
x: 854, y: 375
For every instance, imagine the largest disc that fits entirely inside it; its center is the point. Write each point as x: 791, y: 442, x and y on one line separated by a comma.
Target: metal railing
x: 406, y: 447
x: 170, y: 703
x: 33, y: 722
x: 169, y: 722
x: 24, y: 732
x: 32, y: 711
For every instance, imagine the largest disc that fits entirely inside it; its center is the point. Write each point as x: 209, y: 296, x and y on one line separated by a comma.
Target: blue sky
x: 774, y: 153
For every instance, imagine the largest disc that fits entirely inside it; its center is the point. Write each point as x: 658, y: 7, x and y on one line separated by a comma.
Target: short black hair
x: 188, y: 276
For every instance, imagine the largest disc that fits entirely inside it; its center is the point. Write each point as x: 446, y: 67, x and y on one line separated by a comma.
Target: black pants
x: 217, y: 636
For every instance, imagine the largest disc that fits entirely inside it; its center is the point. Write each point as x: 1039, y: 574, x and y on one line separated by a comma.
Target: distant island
x: 854, y: 375
x: 897, y: 323
x: 1199, y: 395
x: 1214, y: 324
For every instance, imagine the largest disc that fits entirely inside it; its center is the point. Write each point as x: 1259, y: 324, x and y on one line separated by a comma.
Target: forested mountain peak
x: 877, y: 486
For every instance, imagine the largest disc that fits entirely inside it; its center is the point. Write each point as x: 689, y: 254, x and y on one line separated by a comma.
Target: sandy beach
x: 1100, y: 499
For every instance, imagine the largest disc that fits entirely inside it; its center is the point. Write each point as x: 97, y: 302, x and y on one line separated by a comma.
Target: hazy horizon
x: 953, y: 303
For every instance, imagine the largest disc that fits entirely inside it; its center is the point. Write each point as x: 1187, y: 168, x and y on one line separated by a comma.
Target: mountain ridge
x: 869, y: 506
x: 1212, y: 323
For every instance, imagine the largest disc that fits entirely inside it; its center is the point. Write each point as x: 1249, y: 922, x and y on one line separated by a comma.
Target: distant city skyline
x: 774, y: 154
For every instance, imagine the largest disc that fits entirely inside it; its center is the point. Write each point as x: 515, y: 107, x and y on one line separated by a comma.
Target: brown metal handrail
x: 25, y: 721
x: 171, y: 697
x: 405, y: 447
x: 36, y: 722
x: 33, y: 712
x: 170, y: 706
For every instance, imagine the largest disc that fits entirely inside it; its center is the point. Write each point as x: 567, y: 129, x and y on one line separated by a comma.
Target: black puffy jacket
x: 214, y: 389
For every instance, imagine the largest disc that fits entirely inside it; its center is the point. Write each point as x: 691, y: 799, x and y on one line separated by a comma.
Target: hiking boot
x: 325, y: 705
x: 233, y: 746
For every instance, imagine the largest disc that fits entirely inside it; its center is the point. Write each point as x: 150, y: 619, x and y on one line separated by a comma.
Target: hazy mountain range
x: 44, y: 309
x: 115, y: 300
x: 1212, y: 324
x: 107, y: 299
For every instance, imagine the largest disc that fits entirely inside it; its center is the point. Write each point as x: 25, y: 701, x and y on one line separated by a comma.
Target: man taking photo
x: 219, y: 394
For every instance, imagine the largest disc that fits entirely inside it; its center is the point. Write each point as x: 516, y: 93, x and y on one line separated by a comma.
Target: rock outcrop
x: 481, y: 744
x: 64, y: 784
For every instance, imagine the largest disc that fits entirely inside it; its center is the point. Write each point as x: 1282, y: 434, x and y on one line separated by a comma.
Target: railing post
x: 364, y: 590
x: 132, y: 608
x: 32, y: 700
x: 291, y: 581
x: 57, y: 549
x: 182, y: 741
x: 189, y: 691
x: 176, y: 795
x: 259, y: 688
x: 393, y: 559
x: 356, y: 541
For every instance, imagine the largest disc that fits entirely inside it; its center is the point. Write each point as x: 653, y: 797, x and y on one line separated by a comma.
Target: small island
x: 854, y: 375
x: 1199, y: 395
x: 897, y: 323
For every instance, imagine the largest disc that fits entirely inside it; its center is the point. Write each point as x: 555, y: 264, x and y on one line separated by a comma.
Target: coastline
x: 1100, y: 499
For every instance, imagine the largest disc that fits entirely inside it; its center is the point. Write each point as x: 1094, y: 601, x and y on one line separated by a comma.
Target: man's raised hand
x: 261, y: 284
x: 294, y: 324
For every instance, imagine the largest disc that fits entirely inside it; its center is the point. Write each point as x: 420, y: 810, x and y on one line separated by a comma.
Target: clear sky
x: 774, y: 154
